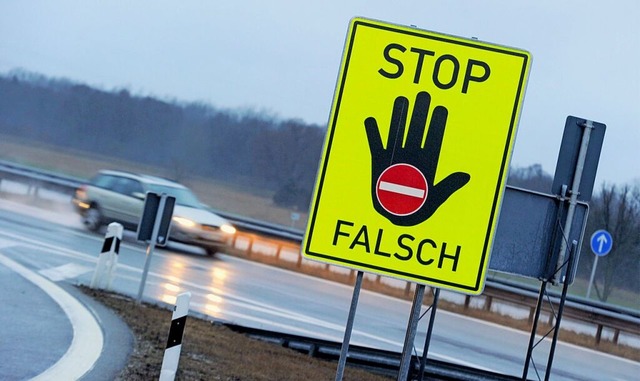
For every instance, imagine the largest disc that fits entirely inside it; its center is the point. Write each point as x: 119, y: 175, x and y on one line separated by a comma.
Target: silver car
x: 115, y: 196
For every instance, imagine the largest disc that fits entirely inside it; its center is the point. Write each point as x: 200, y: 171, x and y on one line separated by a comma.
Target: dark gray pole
x: 344, y: 350
x: 152, y: 245
x: 534, y: 329
x: 427, y: 340
x: 410, y: 336
x: 593, y: 275
x: 573, y: 197
x: 565, y: 287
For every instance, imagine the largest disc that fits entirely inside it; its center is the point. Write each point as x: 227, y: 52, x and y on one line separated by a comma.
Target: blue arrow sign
x: 601, y: 242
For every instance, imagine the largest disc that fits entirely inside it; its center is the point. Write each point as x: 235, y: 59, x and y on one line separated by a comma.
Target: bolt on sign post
x: 416, y: 155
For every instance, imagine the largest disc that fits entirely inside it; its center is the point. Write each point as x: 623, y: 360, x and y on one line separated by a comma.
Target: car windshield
x: 183, y: 196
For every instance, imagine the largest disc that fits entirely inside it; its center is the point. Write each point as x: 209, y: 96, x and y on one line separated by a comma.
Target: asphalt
x: 51, y: 330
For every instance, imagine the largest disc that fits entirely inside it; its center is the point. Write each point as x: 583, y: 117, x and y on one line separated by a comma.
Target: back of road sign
x: 529, y: 234
x: 149, y: 219
x: 415, y: 158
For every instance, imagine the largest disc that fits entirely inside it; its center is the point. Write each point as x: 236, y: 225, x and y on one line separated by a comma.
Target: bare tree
x: 617, y: 210
x: 532, y: 177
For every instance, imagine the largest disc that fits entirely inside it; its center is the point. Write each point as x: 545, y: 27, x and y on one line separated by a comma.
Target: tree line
x: 278, y: 156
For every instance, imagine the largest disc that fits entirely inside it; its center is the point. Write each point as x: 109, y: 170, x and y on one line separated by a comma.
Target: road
x: 256, y: 295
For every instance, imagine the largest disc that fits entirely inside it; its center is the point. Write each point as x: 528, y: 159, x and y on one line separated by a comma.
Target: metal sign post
x: 573, y: 199
x: 577, y: 164
x: 344, y: 350
x: 427, y: 340
x: 563, y: 298
x: 158, y: 210
x: 410, y: 336
x: 150, y: 247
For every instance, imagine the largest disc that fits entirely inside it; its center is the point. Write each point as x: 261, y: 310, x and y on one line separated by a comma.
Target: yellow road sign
x: 416, y: 155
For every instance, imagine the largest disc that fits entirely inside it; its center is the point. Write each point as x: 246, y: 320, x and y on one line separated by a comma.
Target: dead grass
x: 212, y: 352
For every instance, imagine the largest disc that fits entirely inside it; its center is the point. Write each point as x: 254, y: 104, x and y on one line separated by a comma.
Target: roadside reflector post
x: 108, y: 259
x: 174, y: 342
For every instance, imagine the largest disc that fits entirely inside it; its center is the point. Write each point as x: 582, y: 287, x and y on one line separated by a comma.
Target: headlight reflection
x: 169, y: 299
x: 229, y: 229
x: 214, y: 304
x: 219, y: 274
x: 171, y: 287
x: 187, y: 223
x: 173, y: 280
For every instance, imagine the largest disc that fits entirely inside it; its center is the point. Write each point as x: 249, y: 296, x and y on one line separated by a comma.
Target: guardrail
x: 609, y: 321
x: 38, y: 178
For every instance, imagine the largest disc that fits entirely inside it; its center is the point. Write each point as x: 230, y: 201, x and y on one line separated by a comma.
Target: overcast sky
x: 283, y: 57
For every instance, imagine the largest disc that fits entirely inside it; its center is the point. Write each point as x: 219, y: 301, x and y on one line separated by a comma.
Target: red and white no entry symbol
x: 402, y: 189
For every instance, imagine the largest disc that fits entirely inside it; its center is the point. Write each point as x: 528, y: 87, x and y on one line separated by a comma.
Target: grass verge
x: 211, y: 351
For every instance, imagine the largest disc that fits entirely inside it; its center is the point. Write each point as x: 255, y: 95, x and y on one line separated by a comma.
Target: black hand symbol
x: 423, y: 159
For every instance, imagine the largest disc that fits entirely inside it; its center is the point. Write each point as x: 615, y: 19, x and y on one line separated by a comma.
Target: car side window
x: 134, y: 187
x: 126, y: 186
x: 104, y: 181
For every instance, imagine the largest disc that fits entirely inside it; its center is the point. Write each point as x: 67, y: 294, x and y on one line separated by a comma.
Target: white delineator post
x: 174, y: 343
x: 108, y: 258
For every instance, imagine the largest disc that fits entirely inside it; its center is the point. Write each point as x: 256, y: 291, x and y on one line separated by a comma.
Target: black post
x: 344, y: 350
x: 405, y: 361
x: 427, y: 340
x: 534, y: 328
x: 565, y: 287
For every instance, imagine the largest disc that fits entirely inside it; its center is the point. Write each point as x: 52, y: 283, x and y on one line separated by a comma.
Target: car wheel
x: 211, y: 250
x: 93, y: 219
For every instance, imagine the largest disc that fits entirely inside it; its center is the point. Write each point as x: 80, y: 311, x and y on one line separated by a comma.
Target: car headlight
x: 82, y: 205
x: 185, y: 222
x: 227, y: 228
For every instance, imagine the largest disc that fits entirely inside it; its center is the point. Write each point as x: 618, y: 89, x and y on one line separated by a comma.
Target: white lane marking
x: 401, y: 189
x: 87, y: 342
x: 4, y: 243
x: 289, y: 314
x: 245, y: 302
x: 272, y: 323
x: 68, y: 271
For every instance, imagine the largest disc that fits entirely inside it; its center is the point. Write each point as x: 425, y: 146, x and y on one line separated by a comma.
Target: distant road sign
x: 414, y: 167
x: 601, y: 242
x: 152, y: 216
